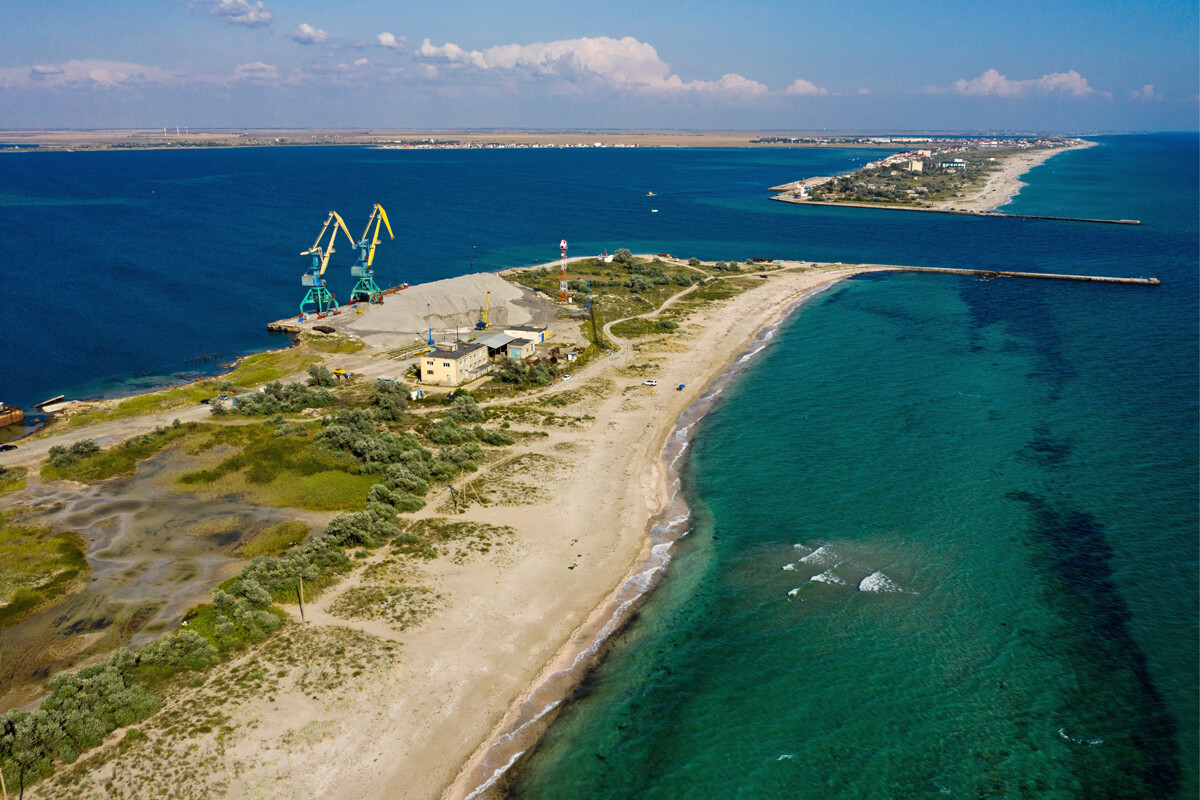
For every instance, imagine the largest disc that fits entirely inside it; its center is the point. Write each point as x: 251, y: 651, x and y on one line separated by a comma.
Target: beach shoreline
x: 531, y: 714
x: 506, y: 620
x: 1001, y: 187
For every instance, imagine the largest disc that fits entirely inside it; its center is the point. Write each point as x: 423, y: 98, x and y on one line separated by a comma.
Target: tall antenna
x: 428, y: 321
x: 562, y: 275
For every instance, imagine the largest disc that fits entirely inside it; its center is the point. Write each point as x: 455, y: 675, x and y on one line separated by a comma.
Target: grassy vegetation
x: 438, y: 536
x: 250, y: 372
x: 119, y: 459
x: 618, y: 289
x: 274, y: 540
x: 640, y: 326
x: 37, y: 565
x: 12, y: 479
x: 894, y: 185
x: 338, y: 343
x: 280, y: 471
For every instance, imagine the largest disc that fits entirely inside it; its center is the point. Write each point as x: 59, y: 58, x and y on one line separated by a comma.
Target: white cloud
x: 864, y: 91
x: 389, y: 40
x: 307, y: 34
x: 362, y: 62
x: 805, y: 88
x: 237, y: 12
x: 87, y: 73
x: 256, y: 71
x: 992, y: 84
x: 1145, y: 93
x: 622, y: 64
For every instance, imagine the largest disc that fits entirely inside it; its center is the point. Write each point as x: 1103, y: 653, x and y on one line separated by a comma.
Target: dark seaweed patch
x: 1113, y: 695
x: 1045, y: 450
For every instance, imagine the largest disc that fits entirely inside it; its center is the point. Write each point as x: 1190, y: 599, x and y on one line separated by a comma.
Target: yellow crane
x: 483, y: 313
x: 366, y: 290
x: 314, y: 276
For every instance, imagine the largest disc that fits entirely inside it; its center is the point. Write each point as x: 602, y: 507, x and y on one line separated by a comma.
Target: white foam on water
x: 1073, y: 740
x: 822, y: 556
x: 802, y: 547
x: 788, y: 756
x: 878, y: 582
x: 789, y: 567
x: 483, y: 787
x: 828, y: 577
x: 794, y: 592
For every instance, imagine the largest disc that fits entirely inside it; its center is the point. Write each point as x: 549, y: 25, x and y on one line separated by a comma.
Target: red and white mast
x: 562, y: 275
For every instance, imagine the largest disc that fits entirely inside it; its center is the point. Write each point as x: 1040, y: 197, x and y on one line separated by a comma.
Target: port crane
x: 314, y: 276
x: 366, y: 290
x: 483, y: 313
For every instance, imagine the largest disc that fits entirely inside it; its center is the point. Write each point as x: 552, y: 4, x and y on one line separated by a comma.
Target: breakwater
x: 787, y: 198
x: 988, y: 274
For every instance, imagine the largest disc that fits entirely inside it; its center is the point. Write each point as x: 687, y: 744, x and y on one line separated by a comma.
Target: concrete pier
x: 987, y: 274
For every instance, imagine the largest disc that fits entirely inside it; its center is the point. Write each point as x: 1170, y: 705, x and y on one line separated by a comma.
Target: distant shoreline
x: 34, y: 141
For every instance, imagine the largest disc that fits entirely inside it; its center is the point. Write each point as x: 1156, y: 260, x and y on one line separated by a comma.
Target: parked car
x: 566, y: 377
x: 650, y: 383
x: 4, y: 448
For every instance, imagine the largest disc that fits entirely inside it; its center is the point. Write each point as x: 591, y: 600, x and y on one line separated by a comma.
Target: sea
x: 943, y: 533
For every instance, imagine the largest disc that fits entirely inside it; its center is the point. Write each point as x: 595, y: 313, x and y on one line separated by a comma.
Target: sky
x: 850, y: 65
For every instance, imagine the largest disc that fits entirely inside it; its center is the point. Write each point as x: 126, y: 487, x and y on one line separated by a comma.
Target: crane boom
x: 378, y: 215
x: 324, y: 254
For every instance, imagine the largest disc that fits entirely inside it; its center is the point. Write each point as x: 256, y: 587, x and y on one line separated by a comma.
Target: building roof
x: 526, y: 328
x: 494, y: 340
x: 456, y: 351
x: 521, y: 342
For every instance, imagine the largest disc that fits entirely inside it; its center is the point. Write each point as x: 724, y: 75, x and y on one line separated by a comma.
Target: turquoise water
x: 944, y: 539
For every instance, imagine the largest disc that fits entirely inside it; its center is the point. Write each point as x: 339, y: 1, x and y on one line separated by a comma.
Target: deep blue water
x: 124, y: 264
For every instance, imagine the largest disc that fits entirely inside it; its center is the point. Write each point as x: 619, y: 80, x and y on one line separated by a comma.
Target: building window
x: 428, y: 372
x: 445, y: 363
x: 429, y: 363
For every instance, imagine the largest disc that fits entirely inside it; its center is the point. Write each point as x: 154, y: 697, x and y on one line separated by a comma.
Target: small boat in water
x: 10, y: 415
x: 649, y: 194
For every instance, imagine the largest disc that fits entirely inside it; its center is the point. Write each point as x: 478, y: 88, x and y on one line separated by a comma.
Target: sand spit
x: 352, y: 704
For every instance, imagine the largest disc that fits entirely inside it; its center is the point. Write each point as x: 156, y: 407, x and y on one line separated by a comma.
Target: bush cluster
x: 241, y: 614
x: 317, y: 561
x: 353, y: 431
x: 88, y: 704
x: 319, y: 375
x: 66, y: 456
x: 280, y: 398
x: 519, y: 373
x: 390, y: 401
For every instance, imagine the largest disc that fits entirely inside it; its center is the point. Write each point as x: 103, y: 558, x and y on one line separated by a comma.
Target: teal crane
x: 314, y: 276
x: 366, y: 290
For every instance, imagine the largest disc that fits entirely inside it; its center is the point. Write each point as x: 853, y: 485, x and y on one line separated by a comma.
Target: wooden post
x: 300, y: 591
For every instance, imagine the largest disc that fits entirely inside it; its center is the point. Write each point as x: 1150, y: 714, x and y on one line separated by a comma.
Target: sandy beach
x: 1000, y: 188
x: 418, y: 714
x: 1005, y: 183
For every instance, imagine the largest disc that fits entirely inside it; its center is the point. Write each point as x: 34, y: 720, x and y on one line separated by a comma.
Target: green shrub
x: 390, y: 401
x: 319, y: 375
x: 492, y: 437
x: 465, y: 409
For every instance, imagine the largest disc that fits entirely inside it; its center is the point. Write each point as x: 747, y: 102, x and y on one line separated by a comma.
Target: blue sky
x: 797, y: 65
